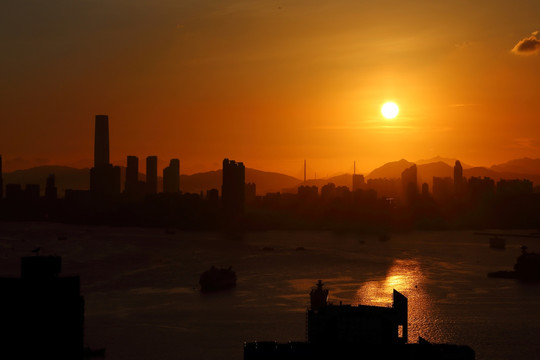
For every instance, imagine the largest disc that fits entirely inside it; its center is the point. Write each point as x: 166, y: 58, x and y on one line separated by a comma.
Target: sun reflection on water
x: 405, y: 276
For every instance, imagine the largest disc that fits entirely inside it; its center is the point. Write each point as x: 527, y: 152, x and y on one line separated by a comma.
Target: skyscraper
x: 409, y: 180
x: 51, y: 192
x: 233, y: 188
x: 171, y: 177
x: 104, y: 177
x: 458, y: 178
x: 151, y: 174
x: 101, y: 141
x: 132, y: 174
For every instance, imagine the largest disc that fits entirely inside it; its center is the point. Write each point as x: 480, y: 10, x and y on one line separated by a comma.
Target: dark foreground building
x: 41, y: 314
x: 355, y: 332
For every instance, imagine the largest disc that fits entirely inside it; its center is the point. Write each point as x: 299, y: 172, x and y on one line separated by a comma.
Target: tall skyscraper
x: 171, y: 177
x: 409, y: 180
x: 458, y: 178
x: 132, y: 174
x: 104, y: 177
x: 101, y: 141
x: 233, y: 188
x: 51, y: 192
x: 151, y: 174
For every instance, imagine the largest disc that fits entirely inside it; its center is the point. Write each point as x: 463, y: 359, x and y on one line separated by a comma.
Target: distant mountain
x: 390, y: 170
x: 65, y: 177
x: 519, y: 166
x: 71, y: 178
x: 426, y: 172
x: 265, y: 181
x: 447, y: 161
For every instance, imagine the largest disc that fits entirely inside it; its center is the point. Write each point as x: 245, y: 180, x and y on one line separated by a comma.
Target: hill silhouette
x: 72, y: 178
x: 519, y: 166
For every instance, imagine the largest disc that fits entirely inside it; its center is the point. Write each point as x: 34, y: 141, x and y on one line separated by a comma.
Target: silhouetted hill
x: 448, y: 161
x: 270, y: 181
x: 265, y: 181
x: 66, y: 177
x: 390, y: 170
x: 480, y: 171
x: 519, y: 166
x: 426, y: 172
x: 71, y: 178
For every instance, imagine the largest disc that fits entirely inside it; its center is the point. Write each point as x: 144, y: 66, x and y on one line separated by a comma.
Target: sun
x: 389, y: 110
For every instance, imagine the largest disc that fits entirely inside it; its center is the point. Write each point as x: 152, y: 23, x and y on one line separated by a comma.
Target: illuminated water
x: 142, y: 302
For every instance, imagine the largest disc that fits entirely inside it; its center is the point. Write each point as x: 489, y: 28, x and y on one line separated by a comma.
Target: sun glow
x: 389, y: 110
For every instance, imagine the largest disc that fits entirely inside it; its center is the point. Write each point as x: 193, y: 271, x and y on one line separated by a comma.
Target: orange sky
x: 270, y: 83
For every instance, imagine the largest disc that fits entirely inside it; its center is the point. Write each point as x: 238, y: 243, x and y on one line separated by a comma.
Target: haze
x: 270, y: 82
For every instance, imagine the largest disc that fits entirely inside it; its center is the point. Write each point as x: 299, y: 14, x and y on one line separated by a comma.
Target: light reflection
x: 405, y: 276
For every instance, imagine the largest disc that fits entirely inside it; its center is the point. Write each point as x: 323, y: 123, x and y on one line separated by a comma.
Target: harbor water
x: 142, y: 298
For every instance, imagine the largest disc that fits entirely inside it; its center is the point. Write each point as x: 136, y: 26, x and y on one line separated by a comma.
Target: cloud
x: 528, y: 46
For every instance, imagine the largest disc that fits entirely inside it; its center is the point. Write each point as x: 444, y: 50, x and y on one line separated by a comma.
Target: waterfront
x: 142, y: 299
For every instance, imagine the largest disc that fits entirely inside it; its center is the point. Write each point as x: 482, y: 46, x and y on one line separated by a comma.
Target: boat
x: 217, y: 279
x: 527, y: 268
x: 497, y: 243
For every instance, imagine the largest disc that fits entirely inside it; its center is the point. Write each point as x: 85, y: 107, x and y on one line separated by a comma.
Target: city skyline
x: 306, y: 81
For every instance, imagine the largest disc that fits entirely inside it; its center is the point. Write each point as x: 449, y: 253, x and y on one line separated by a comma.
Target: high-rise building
x: 104, y: 177
x: 151, y: 174
x: 132, y: 174
x: 358, y: 182
x: 51, y: 192
x: 42, y: 313
x: 171, y: 177
x: 409, y: 181
x: 233, y: 187
x: 458, y: 178
x: 101, y: 141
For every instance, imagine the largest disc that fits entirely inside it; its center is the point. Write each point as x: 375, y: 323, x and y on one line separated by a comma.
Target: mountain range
x: 72, y: 178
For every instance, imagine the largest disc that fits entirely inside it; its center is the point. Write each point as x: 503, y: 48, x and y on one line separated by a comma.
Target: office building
x: 151, y: 175
x: 42, y: 314
x: 132, y: 175
x: 104, y: 177
x: 233, y: 187
x: 171, y: 177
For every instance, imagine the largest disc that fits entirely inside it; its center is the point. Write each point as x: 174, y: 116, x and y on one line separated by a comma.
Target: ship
x: 527, y: 267
x: 216, y: 279
x: 362, y: 331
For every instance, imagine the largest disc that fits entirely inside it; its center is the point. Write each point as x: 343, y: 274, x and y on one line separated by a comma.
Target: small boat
x: 217, y: 279
x: 497, y: 242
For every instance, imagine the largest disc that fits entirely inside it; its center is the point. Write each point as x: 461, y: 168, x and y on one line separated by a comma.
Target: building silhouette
x: 104, y: 177
x: 51, y: 192
x: 31, y: 193
x: 151, y: 175
x: 171, y: 177
x: 250, y: 192
x: 409, y: 181
x: 358, y: 182
x: 233, y: 187
x: 42, y: 314
x: 458, y: 179
x: 132, y: 174
x: 355, y: 332
x: 442, y: 188
x: 14, y: 193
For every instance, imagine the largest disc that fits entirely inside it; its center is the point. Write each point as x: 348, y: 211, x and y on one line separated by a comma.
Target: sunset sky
x: 270, y: 83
